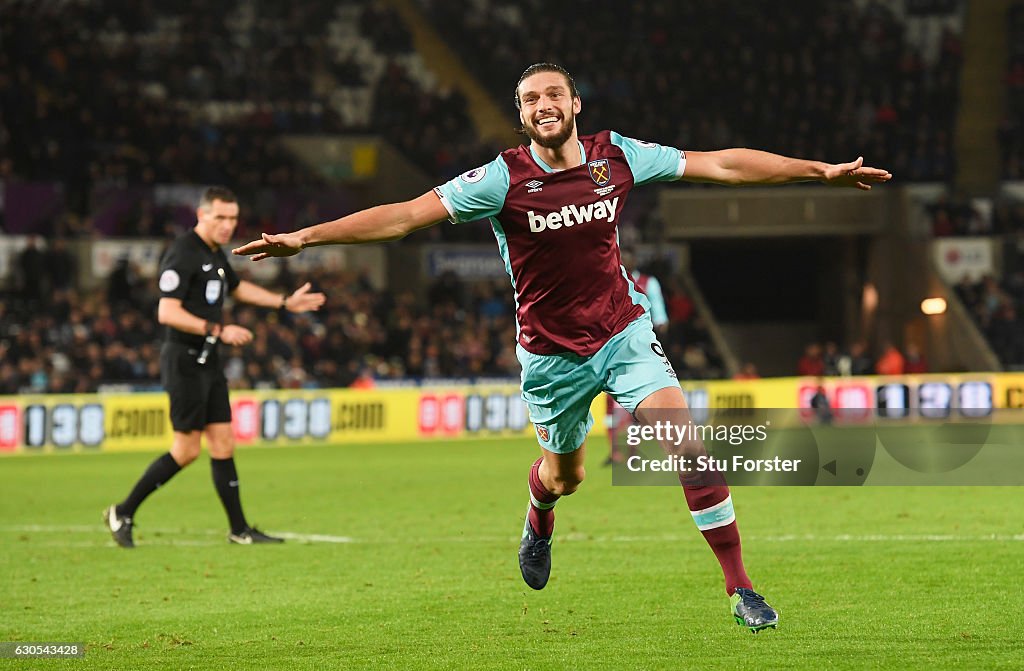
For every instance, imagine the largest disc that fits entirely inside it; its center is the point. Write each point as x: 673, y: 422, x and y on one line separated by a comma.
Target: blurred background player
x: 618, y: 418
x: 195, y: 276
x: 583, y: 327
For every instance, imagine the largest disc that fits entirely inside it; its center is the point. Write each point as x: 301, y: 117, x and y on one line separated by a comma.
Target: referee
x: 194, y: 278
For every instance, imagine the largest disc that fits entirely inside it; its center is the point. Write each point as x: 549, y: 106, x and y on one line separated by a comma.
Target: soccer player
x: 583, y: 327
x: 194, y: 278
x: 617, y: 418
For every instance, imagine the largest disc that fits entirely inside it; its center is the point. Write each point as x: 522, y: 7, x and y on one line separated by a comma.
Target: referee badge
x: 212, y: 291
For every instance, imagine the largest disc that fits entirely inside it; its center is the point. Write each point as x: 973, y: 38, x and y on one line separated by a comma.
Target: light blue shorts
x: 559, y: 388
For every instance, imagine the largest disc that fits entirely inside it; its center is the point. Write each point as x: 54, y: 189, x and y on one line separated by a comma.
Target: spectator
x: 860, y: 362
x: 830, y: 359
x: 915, y: 361
x: 747, y: 372
x: 820, y: 404
x: 32, y: 266
x: 891, y: 362
x: 811, y: 363
x: 61, y: 267
x: 122, y: 284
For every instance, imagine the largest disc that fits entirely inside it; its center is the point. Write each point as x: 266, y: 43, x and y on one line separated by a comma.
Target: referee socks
x: 159, y: 472
x: 225, y: 480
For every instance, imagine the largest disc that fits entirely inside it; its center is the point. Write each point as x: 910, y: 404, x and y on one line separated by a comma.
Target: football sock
x: 713, y: 513
x: 225, y: 479
x: 613, y: 443
x: 160, y: 471
x: 542, y: 504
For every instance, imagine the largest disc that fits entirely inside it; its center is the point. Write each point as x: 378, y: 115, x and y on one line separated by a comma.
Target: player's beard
x: 552, y: 141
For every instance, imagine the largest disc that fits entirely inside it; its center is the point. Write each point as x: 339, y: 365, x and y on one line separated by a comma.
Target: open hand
x: 281, y: 244
x: 855, y: 174
x: 303, y: 301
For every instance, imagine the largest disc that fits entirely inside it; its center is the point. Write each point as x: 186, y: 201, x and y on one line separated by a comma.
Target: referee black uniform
x: 199, y: 277
x: 195, y: 276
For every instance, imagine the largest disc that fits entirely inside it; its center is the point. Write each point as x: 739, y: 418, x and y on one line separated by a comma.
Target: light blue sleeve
x: 650, y: 162
x: 659, y: 315
x: 476, y: 194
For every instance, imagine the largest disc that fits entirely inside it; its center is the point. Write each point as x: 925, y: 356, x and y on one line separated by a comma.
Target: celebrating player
x: 583, y: 327
x: 194, y: 277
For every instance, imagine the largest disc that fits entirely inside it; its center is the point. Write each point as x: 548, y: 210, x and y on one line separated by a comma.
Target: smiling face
x: 548, y: 109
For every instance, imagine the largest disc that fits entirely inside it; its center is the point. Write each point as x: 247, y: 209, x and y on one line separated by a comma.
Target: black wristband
x: 284, y: 302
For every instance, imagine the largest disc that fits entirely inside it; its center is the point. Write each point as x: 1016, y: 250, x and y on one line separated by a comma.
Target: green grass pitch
x: 404, y: 557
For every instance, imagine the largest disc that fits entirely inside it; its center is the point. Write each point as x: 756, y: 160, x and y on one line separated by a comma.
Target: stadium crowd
x: 142, y: 93
x: 54, y: 338
x: 842, y: 78
x: 962, y: 217
x: 997, y: 307
x: 1011, y: 131
x: 163, y: 92
x: 831, y: 360
x: 167, y: 92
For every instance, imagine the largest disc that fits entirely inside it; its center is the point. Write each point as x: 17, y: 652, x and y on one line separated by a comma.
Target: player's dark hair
x: 546, y: 67
x: 221, y: 193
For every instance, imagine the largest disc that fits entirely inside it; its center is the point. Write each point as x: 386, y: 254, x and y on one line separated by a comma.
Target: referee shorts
x: 559, y: 388
x: 198, y: 392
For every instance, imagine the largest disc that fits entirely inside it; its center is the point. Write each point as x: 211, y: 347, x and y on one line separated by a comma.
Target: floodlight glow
x: 933, y: 306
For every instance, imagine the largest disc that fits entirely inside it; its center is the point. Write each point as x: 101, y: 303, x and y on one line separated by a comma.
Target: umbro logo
x: 533, y: 186
x: 207, y: 267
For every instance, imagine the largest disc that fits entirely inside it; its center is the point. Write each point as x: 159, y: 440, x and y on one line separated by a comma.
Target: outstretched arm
x: 737, y: 167
x: 376, y: 224
x: 301, y: 300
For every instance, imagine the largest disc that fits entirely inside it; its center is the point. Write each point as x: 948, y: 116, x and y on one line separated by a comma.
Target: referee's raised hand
x: 301, y: 300
x: 280, y: 244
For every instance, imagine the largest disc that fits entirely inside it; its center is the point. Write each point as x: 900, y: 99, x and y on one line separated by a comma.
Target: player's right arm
x: 376, y: 224
x: 476, y: 194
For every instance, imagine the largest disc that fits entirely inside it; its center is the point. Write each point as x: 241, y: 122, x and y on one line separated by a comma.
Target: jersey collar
x: 546, y: 168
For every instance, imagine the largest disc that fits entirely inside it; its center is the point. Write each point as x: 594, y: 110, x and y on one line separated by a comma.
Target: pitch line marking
x: 571, y: 537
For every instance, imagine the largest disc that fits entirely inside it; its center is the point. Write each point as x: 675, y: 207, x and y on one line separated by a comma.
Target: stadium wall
x: 73, y: 423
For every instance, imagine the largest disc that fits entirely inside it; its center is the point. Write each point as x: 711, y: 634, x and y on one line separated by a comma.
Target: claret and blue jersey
x: 556, y: 231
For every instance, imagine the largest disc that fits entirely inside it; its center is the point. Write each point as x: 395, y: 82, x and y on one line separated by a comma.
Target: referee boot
x: 120, y: 527
x: 252, y: 536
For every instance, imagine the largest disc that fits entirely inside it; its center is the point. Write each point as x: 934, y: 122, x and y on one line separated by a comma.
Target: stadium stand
x: 159, y: 92
x: 71, y: 341
x: 997, y: 308
x: 995, y: 303
x: 892, y: 77
x: 1011, y: 133
x: 166, y: 92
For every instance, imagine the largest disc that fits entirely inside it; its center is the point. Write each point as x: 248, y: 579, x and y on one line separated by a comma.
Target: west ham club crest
x: 600, y: 171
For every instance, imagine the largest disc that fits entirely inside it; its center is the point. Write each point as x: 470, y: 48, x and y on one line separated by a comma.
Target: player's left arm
x: 739, y: 167
x: 300, y: 300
